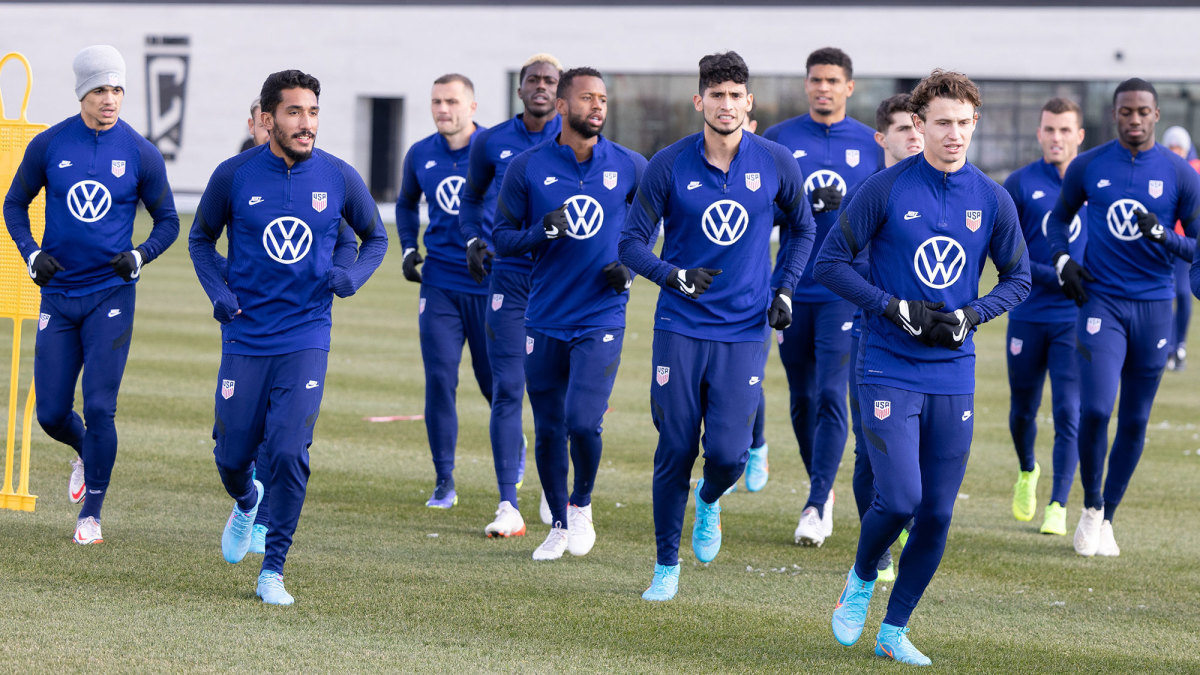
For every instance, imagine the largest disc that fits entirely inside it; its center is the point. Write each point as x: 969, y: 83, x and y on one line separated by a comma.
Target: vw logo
x: 1121, y: 221
x: 725, y: 222
x: 447, y: 194
x: 824, y: 178
x: 287, y: 240
x: 88, y: 200
x: 1076, y: 227
x: 939, y: 262
x: 584, y: 215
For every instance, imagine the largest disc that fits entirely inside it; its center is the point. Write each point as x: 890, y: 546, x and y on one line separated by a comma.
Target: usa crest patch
x: 227, y: 389
x: 1014, y: 346
x: 497, y: 301
x: 610, y: 179
x: 421, y: 306
x: 1156, y: 188
x: 883, y: 410
x: 42, y: 321
x: 753, y: 182
x: 974, y: 220
x: 852, y: 157
x: 662, y: 375
x: 118, y: 168
x: 319, y: 201
x: 1093, y: 325
x: 528, y: 344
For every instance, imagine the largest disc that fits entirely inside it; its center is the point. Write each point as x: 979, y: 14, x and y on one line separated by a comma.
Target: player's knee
x: 902, y: 503
x: 937, y: 518
x: 53, y: 417
x: 1094, y: 415
x: 581, y: 425
x: 99, y: 415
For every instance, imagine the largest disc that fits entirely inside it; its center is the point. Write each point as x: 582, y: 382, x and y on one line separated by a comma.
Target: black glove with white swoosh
x: 779, y: 314
x: 915, y: 317
x: 43, y: 267
x: 827, y: 198
x: 412, y: 258
x: 1151, y: 229
x: 950, y: 330
x: 555, y: 223
x: 1071, y: 276
x: 128, y: 264
x: 691, y: 283
x: 617, y: 276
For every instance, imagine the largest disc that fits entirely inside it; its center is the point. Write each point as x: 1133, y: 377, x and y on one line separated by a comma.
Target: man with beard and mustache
x: 508, y: 279
x: 717, y: 193
x: 283, y: 203
x: 451, y: 307
x: 565, y: 201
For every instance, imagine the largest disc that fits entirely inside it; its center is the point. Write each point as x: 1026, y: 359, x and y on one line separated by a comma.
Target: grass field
x: 384, y: 584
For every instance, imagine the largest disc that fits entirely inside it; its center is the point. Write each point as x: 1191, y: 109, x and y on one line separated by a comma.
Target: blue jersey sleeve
x: 155, y: 193
x: 1070, y: 199
x: 1008, y: 253
x: 796, y: 216
x: 29, y: 181
x: 408, y: 206
x: 1042, y: 274
x: 360, y: 212
x: 510, y: 234
x: 636, y: 248
x: 1187, y: 211
x: 857, y: 224
x: 480, y: 173
x: 212, y: 215
x: 346, y: 249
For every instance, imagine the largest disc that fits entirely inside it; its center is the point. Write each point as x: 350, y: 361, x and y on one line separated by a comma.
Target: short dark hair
x: 943, y: 84
x: 830, y: 56
x: 1135, y: 84
x: 723, y: 67
x: 1058, y: 106
x: 564, y: 81
x: 456, y: 77
x: 890, y: 106
x: 275, y: 83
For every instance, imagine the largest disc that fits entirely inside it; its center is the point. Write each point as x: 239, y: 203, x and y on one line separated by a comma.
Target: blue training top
x: 568, y: 292
x: 93, y: 180
x: 719, y: 220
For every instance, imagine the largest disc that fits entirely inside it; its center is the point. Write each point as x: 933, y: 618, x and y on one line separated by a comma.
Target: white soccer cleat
x: 544, y: 510
x: 1087, y: 533
x: 76, y: 490
x: 581, y: 533
x: 554, y: 546
x: 1108, y: 544
x: 87, y: 531
x: 508, y: 522
x: 827, y: 518
x: 811, y: 530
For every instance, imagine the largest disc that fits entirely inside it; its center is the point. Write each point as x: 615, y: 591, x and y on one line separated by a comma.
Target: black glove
x: 951, y: 330
x: 556, y: 223
x: 411, y: 259
x: 128, y: 265
x: 916, y: 317
x: 779, y: 314
x: 1071, y: 276
x: 479, y: 259
x: 43, y: 267
x: 1151, y: 229
x: 618, y: 276
x: 827, y: 198
x: 691, y: 283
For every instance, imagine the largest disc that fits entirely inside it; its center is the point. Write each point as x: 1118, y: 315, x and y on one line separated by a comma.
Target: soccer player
x: 565, y: 200
x: 716, y: 192
x: 1041, y: 330
x: 834, y: 152
x: 283, y: 204
x: 1179, y: 141
x: 95, y: 169
x: 896, y: 134
x: 507, y: 276
x: 1134, y: 190
x: 452, y: 305
x: 254, y: 125
x: 931, y: 221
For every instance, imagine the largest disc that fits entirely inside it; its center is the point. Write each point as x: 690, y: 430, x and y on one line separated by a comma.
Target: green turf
x: 384, y: 584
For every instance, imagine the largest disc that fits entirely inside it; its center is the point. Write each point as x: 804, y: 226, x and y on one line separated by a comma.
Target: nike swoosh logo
x: 687, y: 289
x: 693, y: 185
x: 961, y: 333
x: 911, y: 215
x: 255, y: 200
x: 912, y: 330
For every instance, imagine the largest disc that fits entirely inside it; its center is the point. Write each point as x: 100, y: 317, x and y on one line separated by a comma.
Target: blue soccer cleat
x: 757, y: 469
x: 270, y: 589
x: 235, y: 539
x: 258, y: 539
x: 706, y: 532
x: 521, y: 463
x: 443, y: 497
x: 892, y: 642
x: 664, y: 584
x: 850, y: 612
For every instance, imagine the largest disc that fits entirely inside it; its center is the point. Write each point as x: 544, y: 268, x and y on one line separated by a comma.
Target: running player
x: 283, y: 204
x: 565, y: 200
x: 451, y: 307
x: 95, y: 169
x: 931, y: 221
x: 1132, y: 186
x: 834, y: 152
x: 716, y: 193
x: 507, y: 277
x: 1041, y: 330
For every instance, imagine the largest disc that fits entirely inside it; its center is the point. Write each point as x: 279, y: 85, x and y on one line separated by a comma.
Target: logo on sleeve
x: 939, y: 262
x: 528, y: 344
x: 724, y: 222
x: 610, y: 179
x: 88, y: 201
x: 319, y: 201
x: 287, y: 240
x: 505, y: 154
x: 883, y: 410
x: 824, y: 178
x: 1014, y: 346
x: 43, y: 321
x: 585, y: 217
x: 1075, y: 229
x: 1093, y: 325
x: 852, y: 157
x: 497, y: 301
x: 662, y: 375
x: 753, y: 182
x: 227, y: 389
x: 974, y: 220
x: 448, y: 194
x: 118, y: 169
x: 1155, y: 189
x: 1037, y: 194
x: 1121, y: 221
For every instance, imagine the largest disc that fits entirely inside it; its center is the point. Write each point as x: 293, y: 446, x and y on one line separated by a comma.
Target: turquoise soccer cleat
x: 258, y: 539
x: 757, y: 469
x: 850, y: 612
x: 235, y: 539
x: 706, y: 532
x: 270, y: 589
x: 892, y: 642
x: 664, y: 584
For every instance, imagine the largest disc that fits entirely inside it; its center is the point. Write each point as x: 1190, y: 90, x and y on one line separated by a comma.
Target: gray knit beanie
x: 98, y: 66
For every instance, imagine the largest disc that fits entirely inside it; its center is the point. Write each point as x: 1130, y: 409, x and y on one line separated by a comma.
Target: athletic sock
x: 508, y: 493
x: 1110, y: 510
x: 93, y: 504
x: 247, y: 501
